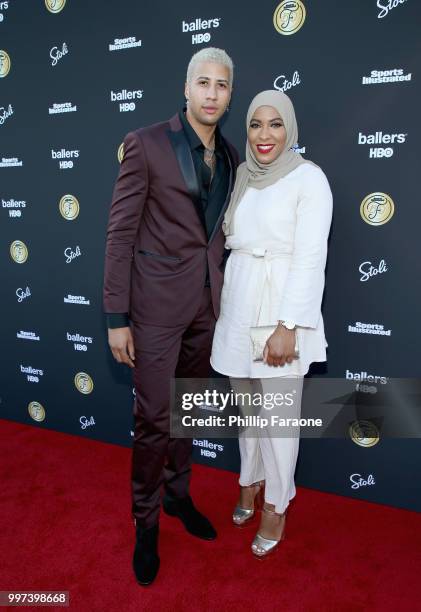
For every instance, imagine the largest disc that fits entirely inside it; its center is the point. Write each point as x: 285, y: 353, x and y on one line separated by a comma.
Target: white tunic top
x: 284, y: 229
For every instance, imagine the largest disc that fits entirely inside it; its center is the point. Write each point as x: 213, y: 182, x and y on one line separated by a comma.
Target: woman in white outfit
x: 277, y: 226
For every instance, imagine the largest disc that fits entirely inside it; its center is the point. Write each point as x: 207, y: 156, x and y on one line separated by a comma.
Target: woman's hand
x: 280, y: 347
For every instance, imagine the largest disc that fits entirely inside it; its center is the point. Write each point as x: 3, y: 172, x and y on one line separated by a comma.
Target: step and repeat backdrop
x: 77, y: 75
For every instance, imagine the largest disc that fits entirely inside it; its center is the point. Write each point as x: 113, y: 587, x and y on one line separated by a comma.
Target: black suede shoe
x: 145, y: 559
x: 195, y: 523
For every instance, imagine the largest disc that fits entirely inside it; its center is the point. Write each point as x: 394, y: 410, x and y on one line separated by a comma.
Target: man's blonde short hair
x: 210, y: 54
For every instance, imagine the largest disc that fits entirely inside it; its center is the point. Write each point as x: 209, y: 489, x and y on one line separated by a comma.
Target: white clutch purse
x: 259, y: 336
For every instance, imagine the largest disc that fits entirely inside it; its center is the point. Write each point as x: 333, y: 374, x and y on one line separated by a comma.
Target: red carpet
x: 65, y: 525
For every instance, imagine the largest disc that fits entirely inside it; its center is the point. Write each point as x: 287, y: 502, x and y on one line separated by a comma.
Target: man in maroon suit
x: 164, y: 268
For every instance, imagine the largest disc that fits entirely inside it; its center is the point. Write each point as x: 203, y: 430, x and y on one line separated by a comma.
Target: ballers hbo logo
x: 289, y: 16
x: 5, y: 63
x: 84, y: 383
x: 120, y: 152
x: 19, y: 251
x: 55, y: 6
x: 69, y: 207
x: 364, y: 433
x: 377, y: 208
x: 36, y: 411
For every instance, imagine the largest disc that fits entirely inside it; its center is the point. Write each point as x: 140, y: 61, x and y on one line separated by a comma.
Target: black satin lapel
x: 228, y: 196
x: 185, y: 161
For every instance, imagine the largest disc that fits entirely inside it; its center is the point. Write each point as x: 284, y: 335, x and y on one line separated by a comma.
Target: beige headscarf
x: 251, y: 172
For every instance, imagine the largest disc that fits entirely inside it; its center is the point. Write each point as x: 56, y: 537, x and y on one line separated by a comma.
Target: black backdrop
x: 361, y: 128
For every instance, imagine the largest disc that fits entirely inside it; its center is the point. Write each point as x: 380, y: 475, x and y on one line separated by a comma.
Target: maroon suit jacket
x: 157, y: 245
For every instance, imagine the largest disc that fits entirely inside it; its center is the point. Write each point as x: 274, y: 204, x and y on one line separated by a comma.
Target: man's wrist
x: 117, y: 319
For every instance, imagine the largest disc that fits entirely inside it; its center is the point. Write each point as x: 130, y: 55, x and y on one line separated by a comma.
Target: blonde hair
x: 210, y: 54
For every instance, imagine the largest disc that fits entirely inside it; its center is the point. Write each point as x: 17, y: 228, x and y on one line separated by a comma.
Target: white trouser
x: 265, y: 455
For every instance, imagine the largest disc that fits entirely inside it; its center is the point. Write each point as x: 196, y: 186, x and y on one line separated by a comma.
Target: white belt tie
x: 265, y: 254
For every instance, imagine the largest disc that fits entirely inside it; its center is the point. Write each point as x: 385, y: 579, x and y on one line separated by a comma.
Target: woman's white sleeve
x: 303, y: 290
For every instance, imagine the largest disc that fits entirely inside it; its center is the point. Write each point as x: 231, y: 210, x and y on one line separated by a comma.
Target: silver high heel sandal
x: 243, y: 515
x: 261, y: 546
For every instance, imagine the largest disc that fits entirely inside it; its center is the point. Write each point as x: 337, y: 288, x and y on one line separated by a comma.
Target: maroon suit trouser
x: 163, y: 353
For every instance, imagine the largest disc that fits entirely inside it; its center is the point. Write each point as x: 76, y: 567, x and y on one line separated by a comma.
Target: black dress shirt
x: 212, y: 193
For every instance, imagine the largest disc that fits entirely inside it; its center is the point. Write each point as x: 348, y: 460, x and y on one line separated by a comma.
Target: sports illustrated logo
x: 36, y: 411
x: 364, y: 433
x: 5, y: 113
x: 83, y: 383
x: 200, y: 24
x: 80, y: 343
x: 55, y: 6
x: 386, y: 76
x: 358, y: 481
x: 124, y: 43
x: 85, y: 422
x: 289, y: 16
x: 63, y: 155
x: 69, y: 207
x: 386, y: 6
x: 380, y: 138
x: 14, y: 207
x: 19, y: 251
x: 369, y: 328
x: 76, y: 299
x: 3, y: 7
x: 377, y: 208
x: 5, y: 63
x: 65, y: 107
x: 297, y: 149
x: 70, y: 255
x: 367, y: 270
x: 32, y: 374
x: 208, y: 449
x: 22, y: 294
x: 10, y: 162
x: 56, y: 54
x: 120, y: 152
x: 281, y: 83
x: 27, y: 335
x: 124, y: 95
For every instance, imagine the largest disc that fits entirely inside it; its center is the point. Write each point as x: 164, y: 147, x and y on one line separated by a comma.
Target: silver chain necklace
x: 209, y: 159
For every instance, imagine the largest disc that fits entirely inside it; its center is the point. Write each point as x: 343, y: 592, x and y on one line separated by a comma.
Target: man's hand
x: 121, y: 344
x: 280, y: 347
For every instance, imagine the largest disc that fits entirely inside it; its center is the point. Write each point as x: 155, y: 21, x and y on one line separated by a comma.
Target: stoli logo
x: 281, y: 83
x: 70, y: 254
x: 56, y: 54
x: 386, y: 6
x: 368, y: 270
x: 22, y: 293
x: 358, y: 481
x: 85, y: 422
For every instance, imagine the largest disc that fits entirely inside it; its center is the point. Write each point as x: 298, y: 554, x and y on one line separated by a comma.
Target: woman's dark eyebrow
x: 274, y: 119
